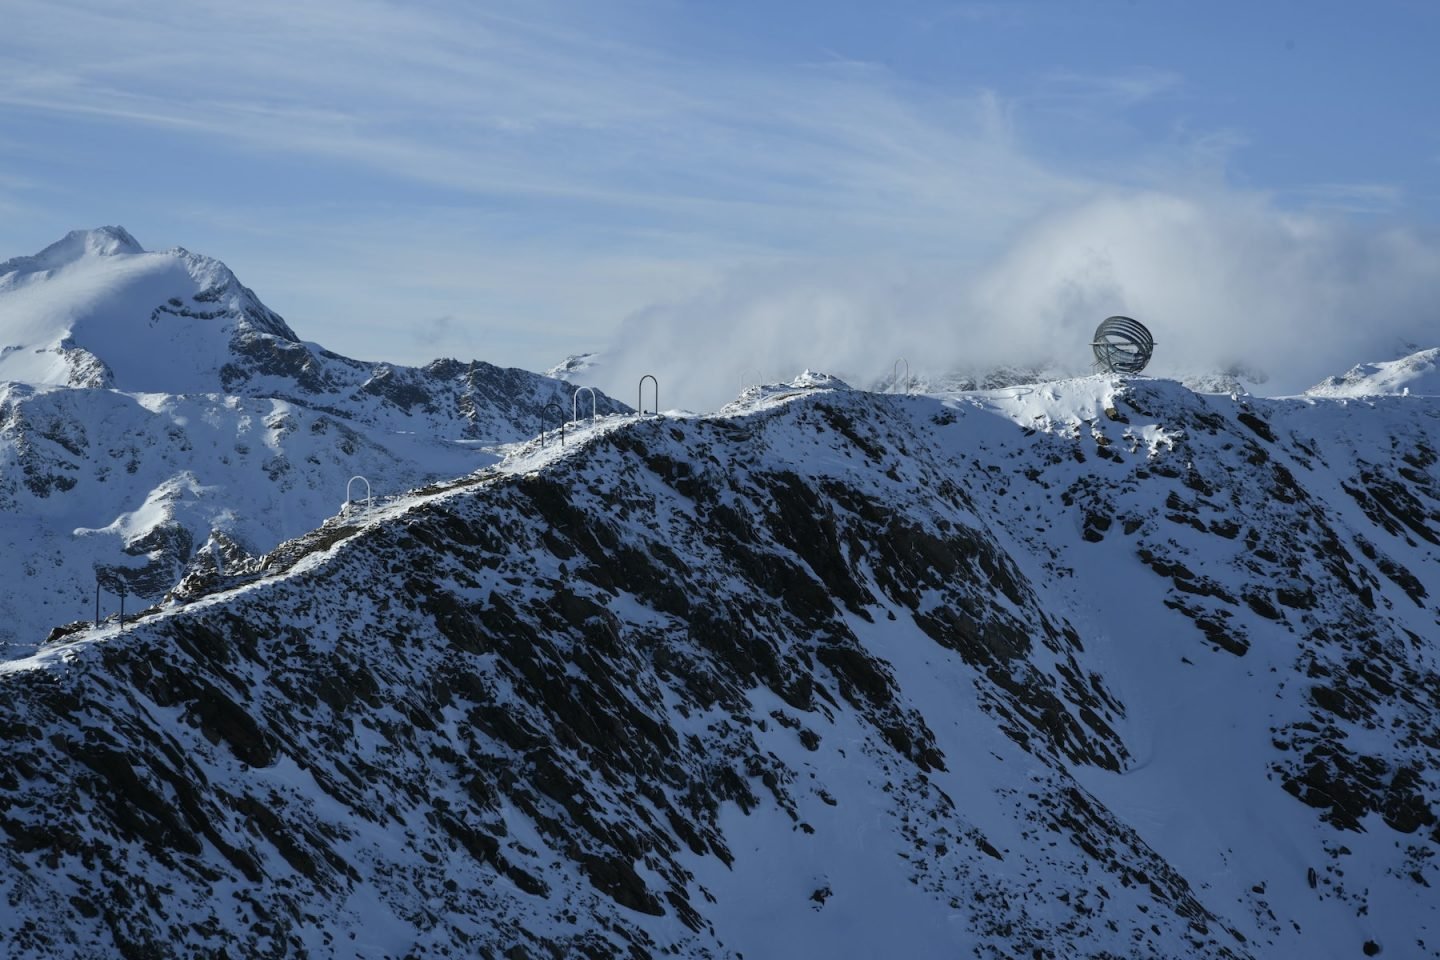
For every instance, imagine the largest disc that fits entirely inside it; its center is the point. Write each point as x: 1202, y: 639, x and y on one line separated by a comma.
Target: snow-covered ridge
x: 1418, y: 373
x: 1086, y: 668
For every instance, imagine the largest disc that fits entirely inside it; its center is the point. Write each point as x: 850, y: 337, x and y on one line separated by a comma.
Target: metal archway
x: 895, y: 374
x: 559, y: 418
x: 1122, y: 345
x: 575, y: 404
x: 640, y: 395
x: 351, y: 482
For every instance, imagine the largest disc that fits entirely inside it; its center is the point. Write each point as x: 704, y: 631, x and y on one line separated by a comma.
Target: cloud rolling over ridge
x: 1224, y: 279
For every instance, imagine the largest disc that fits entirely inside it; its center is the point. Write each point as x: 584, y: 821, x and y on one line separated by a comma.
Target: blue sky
x: 784, y: 183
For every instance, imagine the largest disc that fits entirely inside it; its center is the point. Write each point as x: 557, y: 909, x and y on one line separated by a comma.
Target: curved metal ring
x: 1122, y: 345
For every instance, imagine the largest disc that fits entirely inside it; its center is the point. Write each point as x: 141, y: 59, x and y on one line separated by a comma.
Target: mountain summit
x: 76, y: 245
x: 96, y: 310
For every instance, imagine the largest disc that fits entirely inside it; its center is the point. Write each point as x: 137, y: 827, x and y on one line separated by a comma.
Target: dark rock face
x: 489, y: 402
x: 534, y: 714
x: 46, y: 451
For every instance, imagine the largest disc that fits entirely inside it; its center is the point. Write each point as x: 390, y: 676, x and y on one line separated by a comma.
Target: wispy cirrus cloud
x: 1125, y: 88
x: 1358, y: 198
x: 520, y: 101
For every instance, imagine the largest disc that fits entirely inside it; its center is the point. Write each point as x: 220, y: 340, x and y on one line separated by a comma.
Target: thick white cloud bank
x: 1224, y: 280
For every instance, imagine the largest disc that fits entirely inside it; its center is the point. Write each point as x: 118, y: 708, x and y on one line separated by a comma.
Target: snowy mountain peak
x: 74, y: 246
x: 96, y: 310
x: 104, y: 241
x: 576, y: 367
x: 1418, y: 373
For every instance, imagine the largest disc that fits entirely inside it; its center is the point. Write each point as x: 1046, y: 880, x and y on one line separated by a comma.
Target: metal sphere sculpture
x: 1122, y: 345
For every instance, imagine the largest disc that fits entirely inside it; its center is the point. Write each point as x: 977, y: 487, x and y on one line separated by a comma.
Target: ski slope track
x: 1090, y: 668
x: 155, y: 414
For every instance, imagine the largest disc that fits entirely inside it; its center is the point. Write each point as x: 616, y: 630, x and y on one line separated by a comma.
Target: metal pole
x: 122, y: 608
x: 97, y: 603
